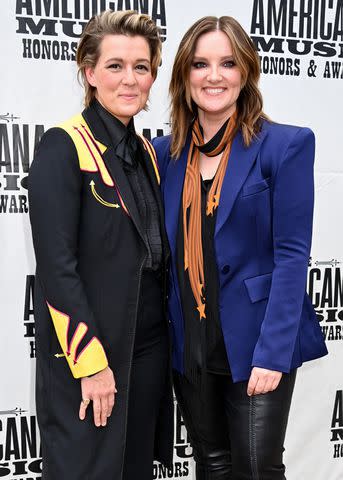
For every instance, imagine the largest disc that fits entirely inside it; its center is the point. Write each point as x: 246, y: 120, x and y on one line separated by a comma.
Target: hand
x: 262, y: 381
x: 99, y: 388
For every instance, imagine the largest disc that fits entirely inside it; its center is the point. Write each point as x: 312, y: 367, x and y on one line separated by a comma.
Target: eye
x: 199, y: 65
x: 114, y: 66
x: 142, y: 67
x: 229, y: 64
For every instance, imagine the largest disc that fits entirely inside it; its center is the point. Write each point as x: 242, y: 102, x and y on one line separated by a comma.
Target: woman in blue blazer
x: 238, y: 195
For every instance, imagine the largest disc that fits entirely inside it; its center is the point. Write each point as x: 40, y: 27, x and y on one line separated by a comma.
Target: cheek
x: 103, y: 84
x: 146, y: 84
x: 237, y: 80
x: 195, y: 80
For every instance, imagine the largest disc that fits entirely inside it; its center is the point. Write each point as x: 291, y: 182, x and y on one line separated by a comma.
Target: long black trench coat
x: 90, y: 252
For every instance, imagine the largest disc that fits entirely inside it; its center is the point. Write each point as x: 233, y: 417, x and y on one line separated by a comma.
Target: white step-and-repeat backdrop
x: 300, y: 43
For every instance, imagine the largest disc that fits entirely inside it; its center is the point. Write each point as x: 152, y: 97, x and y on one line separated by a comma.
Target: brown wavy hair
x: 249, y: 102
x: 126, y: 22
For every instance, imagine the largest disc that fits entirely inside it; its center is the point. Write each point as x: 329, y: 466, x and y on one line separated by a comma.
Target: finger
x: 111, y: 402
x: 251, y: 385
x: 275, y: 383
x: 97, y: 411
x: 259, y: 387
x: 83, y: 407
x: 268, y: 386
x: 104, y: 411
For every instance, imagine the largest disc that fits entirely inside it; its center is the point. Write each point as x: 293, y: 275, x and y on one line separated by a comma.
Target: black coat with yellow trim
x: 90, y: 250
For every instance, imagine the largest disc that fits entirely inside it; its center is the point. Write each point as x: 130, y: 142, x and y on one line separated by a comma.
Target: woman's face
x: 122, y: 76
x: 215, y: 80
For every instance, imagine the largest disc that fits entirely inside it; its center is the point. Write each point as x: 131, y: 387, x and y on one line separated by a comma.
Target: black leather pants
x: 235, y: 437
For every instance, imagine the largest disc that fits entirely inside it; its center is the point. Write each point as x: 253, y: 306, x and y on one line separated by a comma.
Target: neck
x: 211, y: 123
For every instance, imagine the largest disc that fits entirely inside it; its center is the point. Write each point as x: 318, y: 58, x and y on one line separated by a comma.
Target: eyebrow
x: 226, y: 57
x: 117, y: 59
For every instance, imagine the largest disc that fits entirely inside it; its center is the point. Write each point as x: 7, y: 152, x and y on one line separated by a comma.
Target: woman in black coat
x: 101, y: 253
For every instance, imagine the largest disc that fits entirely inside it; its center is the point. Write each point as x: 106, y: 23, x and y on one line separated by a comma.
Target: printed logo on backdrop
x: 29, y: 319
x: 325, y: 288
x: 183, y: 453
x: 17, y: 143
x: 337, y: 426
x: 20, y: 450
x: 299, y: 38
x: 49, y: 30
x: 20, y: 455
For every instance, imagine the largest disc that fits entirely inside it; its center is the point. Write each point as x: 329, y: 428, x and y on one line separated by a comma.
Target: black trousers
x: 234, y: 436
x: 148, y: 379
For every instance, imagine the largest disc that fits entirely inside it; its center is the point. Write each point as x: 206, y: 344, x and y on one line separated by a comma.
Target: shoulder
x: 284, y: 144
x: 162, y: 144
x: 55, y: 141
x: 56, y: 151
x: 162, y: 149
x: 283, y: 134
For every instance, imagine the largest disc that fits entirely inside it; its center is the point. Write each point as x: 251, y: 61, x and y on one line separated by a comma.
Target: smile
x: 214, y: 91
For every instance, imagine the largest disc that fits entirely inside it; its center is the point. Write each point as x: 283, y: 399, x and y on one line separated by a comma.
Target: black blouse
x: 129, y: 150
x: 204, y: 342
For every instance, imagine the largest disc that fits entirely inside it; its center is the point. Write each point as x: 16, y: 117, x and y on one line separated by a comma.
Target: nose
x: 214, y: 74
x: 129, y: 76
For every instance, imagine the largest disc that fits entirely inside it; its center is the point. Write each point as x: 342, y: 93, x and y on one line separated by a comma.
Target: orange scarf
x: 191, y: 202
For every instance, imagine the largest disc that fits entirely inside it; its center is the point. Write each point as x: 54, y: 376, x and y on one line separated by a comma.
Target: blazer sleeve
x: 55, y: 203
x: 292, y: 210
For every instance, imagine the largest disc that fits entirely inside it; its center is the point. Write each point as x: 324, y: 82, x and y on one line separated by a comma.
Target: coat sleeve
x: 292, y: 210
x: 55, y: 202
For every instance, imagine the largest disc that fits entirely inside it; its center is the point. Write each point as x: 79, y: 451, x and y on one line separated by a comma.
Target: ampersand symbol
x: 311, y: 71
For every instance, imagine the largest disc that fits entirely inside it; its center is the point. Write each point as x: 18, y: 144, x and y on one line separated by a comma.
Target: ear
x: 89, y: 72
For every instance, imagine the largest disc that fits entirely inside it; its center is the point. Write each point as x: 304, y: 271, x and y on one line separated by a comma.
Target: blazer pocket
x: 256, y: 187
x: 258, y: 287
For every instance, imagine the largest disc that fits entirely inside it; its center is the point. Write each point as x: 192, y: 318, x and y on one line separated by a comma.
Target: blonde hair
x: 249, y: 103
x: 126, y: 22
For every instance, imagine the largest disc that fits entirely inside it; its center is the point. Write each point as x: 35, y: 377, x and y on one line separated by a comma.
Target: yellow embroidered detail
x: 89, y: 150
x: 92, y: 357
x: 99, y: 199
x: 150, y: 149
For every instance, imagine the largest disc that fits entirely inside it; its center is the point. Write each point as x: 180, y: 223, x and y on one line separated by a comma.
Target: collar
x: 123, y: 138
x: 115, y: 128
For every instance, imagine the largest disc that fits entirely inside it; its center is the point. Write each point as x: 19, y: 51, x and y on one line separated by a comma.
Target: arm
x: 54, y: 197
x: 292, y: 210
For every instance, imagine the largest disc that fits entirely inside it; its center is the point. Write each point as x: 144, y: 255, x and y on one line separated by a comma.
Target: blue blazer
x: 262, y: 245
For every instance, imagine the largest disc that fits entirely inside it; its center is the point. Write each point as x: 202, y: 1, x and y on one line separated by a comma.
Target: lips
x: 214, y: 91
x: 128, y: 96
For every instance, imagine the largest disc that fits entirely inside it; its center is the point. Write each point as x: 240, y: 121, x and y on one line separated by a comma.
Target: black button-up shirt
x: 130, y: 150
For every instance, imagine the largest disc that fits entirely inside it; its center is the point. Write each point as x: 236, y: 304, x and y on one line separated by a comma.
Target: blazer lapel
x: 113, y: 164
x: 239, y: 165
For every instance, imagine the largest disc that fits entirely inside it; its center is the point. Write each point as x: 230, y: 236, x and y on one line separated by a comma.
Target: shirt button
x: 226, y: 269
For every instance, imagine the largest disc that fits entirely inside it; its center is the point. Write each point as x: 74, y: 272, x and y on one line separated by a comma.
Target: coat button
x: 226, y: 269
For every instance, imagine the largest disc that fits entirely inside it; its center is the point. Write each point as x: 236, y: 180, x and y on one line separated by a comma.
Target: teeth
x: 214, y: 90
